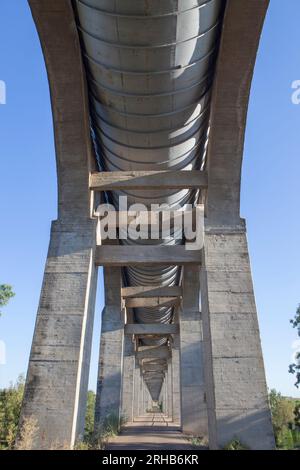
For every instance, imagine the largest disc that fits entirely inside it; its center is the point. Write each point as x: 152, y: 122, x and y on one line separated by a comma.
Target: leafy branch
x: 295, y: 367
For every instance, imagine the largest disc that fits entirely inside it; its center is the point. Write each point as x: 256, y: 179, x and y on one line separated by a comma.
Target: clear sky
x: 270, y: 187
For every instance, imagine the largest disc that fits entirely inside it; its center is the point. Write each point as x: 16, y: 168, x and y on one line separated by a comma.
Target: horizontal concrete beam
x: 122, y: 180
x: 153, y: 375
x: 151, y: 291
x: 162, y: 352
x: 115, y: 255
x: 160, y: 329
x: 151, y: 302
x: 122, y: 219
x: 154, y: 367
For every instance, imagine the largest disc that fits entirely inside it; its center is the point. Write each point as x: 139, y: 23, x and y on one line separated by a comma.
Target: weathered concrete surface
x: 193, y: 399
x: 136, y: 390
x: 57, y: 379
x: 241, y: 32
x: 155, y: 435
x: 151, y: 291
x: 58, y: 34
x: 235, y: 376
x: 128, y: 380
x: 169, y: 379
x: 141, y: 397
x: 108, y: 400
x: 176, y: 379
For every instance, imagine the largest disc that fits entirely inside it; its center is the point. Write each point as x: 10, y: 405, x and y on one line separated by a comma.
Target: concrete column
x: 148, y: 401
x: 170, y: 390
x: 236, y: 386
x: 57, y: 378
x: 136, y: 391
x: 176, y: 379
x: 109, y: 385
x: 193, y: 398
x: 166, y: 393
x: 141, y: 397
x: 128, y: 379
x: 144, y: 398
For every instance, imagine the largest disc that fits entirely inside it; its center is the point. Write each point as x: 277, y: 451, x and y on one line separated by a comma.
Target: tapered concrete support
x: 141, y: 397
x: 166, y: 394
x: 128, y: 379
x: 176, y: 379
x: 193, y: 397
x: 237, y: 392
x: 170, y: 390
x: 57, y: 379
x: 162, y: 397
x: 136, y: 390
x: 148, y: 401
x: 109, y: 386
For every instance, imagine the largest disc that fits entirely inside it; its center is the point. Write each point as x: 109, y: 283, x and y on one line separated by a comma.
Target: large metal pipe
x: 150, y: 65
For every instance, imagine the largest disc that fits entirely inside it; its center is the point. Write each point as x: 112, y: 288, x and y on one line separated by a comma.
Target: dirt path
x: 153, y: 434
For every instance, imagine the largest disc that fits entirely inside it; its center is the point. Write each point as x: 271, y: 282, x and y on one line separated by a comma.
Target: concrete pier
x: 193, y: 396
x: 110, y: 374
x: 57, y: 379
x: 236, y: 386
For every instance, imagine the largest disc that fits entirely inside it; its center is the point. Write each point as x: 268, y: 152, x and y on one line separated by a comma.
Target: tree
x: 89, y: 416
x: 6, y: 293
x: 295, y: 367
x: 297, y: 414
x: 284, y: 439
x: 282, y: 410
x: 10, y: 408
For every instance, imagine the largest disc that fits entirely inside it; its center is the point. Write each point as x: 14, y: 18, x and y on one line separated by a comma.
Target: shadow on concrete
x: 152, y: 438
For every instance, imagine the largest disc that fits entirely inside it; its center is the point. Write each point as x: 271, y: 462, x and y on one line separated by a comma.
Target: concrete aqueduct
x: 149, y: 100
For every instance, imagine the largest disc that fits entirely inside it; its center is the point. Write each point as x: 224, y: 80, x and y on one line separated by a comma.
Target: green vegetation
x: 98, y: 440
x: 6, y: 293
x: 199, y: 441
x: 285, y: 417
x: 10, y: 406
x: 235, y: 444
x: 90, y: 416
x: 295, y: 367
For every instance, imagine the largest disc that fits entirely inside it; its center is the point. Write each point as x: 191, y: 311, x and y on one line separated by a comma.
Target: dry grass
x: 28, y: 432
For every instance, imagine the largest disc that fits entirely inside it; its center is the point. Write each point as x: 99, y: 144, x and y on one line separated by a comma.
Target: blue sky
x: 270, y: 187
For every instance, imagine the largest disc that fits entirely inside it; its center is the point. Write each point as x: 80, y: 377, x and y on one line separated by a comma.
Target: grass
x: 108, y: 429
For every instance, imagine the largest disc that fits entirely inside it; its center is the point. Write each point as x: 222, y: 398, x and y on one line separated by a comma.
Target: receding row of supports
x: 216, y: 367
x: 211, y: 370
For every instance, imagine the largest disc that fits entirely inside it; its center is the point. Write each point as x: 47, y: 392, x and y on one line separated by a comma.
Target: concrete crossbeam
x: 151, y: 291
x: 143, y: 180
x: 151, y: 302
x: 159, y: 329
x: 154, y: 367
x: 162, y: 352
x: 146, y: 255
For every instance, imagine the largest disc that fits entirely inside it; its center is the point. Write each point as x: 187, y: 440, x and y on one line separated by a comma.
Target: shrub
x: 27, y: 434
x: 235, y: 444
x: 284, y: 439
x: 10, y: 407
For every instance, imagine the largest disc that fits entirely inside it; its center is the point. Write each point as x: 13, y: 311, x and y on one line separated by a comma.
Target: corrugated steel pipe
x: 150, y: 66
